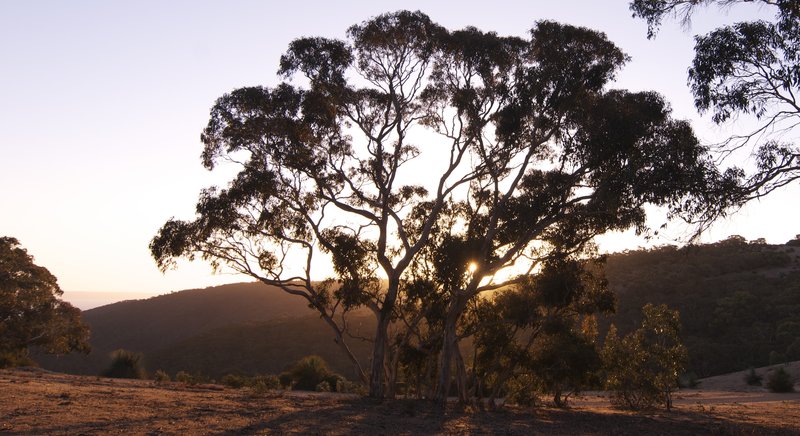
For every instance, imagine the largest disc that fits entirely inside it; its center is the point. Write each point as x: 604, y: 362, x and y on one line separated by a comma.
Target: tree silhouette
x: 410, y: 148
x: 30, y: 312
x: 750, y: 68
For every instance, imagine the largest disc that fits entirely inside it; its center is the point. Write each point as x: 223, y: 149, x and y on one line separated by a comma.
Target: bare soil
x: 39, y: 402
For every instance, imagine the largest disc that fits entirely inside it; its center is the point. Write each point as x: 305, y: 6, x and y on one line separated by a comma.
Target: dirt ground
x: 39, y: 402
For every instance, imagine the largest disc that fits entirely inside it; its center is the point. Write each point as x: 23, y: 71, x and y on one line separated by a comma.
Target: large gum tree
x: 407, y: 139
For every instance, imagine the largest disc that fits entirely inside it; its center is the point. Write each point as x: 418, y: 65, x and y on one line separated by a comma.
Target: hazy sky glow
x: 102, y: 104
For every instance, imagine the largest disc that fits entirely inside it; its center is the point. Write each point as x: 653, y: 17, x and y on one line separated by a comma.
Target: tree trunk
x: 449, y: 348
x: 377, y: 375
x: 376, y: 387
x: 461, y: 374
x: 391, y: 373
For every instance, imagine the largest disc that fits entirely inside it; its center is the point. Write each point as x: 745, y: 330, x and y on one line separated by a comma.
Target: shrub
x: 780, y: 381
x: 752, y: 378
x: 199, y: 378
x: 323, y: 386
x: 161, y: 377
x: 184, y: 377
x: 11, y: 359
x: 125, y: 364
x: 522, y: 391
x: 234, y: 381
x: 309, y: 372
x: 263, y: 383
x: 347, y: 387
x: 333, y: 381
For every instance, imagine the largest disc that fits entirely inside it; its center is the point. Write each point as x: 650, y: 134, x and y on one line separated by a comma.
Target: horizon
x: 87, y: 300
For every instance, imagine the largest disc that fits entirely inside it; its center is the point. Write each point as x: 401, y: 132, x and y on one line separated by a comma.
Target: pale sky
x: 102, y: 104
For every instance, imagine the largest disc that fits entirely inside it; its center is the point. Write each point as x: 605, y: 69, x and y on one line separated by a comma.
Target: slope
x: 739, y: 301
x: 156, y: 323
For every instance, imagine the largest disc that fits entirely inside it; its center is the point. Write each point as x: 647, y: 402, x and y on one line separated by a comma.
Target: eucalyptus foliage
x: 424, y: 163
x: 31, y: 313
x: 751, y: 68
x: 643, y: 367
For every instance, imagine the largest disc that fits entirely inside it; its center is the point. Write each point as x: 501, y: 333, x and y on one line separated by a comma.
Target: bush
x: 333, y: 381
x: 184, y: 377
x: 10, y: 359
x: 263, y: 383
x: 125, y: 364
x: 522, y: 391
x: 752, y: 378
x: 309, y: 372
x: 198, y: 378
x: 780, y: 381
x: 234, y: 381
x: 347, y: 387
x: 323, y: 386
x: 161, y: 377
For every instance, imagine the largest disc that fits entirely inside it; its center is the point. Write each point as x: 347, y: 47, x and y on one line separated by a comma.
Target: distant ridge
x: 90, y: 300
x: 739, y: 303
x: 159, y: 322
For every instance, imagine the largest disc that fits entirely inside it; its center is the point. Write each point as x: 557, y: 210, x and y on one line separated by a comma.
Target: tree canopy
x: 30, y: 312
x: 431, y: 167
x: 750, y: 68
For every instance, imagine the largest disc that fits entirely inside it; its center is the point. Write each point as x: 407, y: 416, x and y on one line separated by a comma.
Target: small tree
x: 31, y: 313
x: 642, y: 369
x: 780, y: 381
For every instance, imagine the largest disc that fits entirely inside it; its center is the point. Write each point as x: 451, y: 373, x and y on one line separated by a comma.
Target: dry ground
x: 39, y: 402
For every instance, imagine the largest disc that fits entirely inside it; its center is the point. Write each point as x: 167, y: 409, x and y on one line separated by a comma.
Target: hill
x: 739, y: 304
x: 739, y: 301
x: 159, y: 321
x: 253, y: 314
x: 265, y: 348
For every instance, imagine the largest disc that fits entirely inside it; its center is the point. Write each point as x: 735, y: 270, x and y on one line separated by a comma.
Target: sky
x: 102, y: 104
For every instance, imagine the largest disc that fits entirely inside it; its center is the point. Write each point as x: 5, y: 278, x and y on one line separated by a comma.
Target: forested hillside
x: 146, y: 326
x: 263, y: 348
x: 739, y: 303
